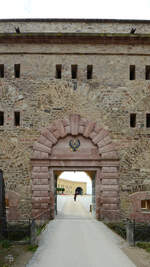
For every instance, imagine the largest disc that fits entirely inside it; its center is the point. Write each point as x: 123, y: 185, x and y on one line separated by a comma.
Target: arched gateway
x: 75, y: 144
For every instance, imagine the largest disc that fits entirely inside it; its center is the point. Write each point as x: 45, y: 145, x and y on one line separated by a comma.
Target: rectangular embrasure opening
x: 89, y: 71
x: 74, y: 69
x: 1, y: 118
x: 148, y: 120
x: 17, y: 118
x: 132, y: 120
x: 147, y: 72
x: 17, y: 70
x: 58, y: 71
x: 1, y: 70
x: 132, y: 72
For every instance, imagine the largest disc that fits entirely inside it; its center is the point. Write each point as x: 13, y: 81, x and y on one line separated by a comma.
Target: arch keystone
x: 74, y: 124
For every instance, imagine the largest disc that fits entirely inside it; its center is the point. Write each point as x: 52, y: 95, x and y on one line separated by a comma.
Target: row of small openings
x: 133, y: 120
x: 133, y: 72
x: 16, y: 71
x: 74, y: 71
x: 16, y: 118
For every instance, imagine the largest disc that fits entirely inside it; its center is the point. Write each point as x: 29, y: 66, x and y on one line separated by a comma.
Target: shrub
x: 6, y: 244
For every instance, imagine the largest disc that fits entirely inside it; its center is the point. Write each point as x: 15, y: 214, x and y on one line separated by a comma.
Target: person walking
x: 75, y: 196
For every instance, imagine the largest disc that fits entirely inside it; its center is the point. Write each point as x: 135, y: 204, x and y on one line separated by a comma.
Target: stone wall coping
x: 82, y: 20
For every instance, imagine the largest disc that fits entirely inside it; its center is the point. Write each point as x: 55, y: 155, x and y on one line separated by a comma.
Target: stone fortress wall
x: 108, y: 98
x: 71, y: 186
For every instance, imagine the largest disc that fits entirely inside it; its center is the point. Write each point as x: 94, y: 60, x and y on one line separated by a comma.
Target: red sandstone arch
x: 107, y: 180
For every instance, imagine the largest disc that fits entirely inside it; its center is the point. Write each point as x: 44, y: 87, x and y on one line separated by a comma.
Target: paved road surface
x: 75, y: 239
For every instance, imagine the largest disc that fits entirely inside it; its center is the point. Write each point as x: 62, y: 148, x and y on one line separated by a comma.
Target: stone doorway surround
x: 51, y: 154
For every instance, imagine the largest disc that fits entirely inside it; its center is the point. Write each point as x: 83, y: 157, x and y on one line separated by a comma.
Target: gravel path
x: 76, y: 239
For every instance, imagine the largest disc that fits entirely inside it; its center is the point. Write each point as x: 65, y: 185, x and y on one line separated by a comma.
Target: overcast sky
x: 117, y: 9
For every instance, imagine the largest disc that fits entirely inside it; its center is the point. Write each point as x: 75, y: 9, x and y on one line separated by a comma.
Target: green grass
x: 118, y: 228
x: 144, y: 245
x: 40, y: 229
x: 32, y: 248
x: 5, y: 244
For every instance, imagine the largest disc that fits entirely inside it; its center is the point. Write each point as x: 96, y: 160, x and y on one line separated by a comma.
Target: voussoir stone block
x: 88, y: 129
x: 107, y: 148
x: 49, y: 136
x: 45, y: 141
x: 100, y: 136
x: 104, y: 142
x: 67, y: 129
x: 66, y: 122
x: 39, y: 147
x: 61, y: 128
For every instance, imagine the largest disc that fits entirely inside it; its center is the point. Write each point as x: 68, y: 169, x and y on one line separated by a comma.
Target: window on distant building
x: 74, y: 69
x: 89, y: 71
x: 132, y: 72
x: 17, y: 70
x: 132, y: 120
x: 1, y: 70
x: 58, y: 71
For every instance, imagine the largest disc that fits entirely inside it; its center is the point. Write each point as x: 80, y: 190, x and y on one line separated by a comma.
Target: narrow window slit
x: 89, y: 71
x: 74, y: 71
x: 1, y: 70
x: 148, y: 120
x: 17, y: 118
x: 1, y: 118
x: 58, y: 71
x: 132, y: 120
x: 17, y: 70
x: 132, y: 72
x: 147, y: 72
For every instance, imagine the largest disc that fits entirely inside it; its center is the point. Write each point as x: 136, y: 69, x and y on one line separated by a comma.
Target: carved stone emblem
x: 74, y: 144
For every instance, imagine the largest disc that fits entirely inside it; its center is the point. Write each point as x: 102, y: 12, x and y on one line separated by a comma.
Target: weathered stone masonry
x: 107, y: 99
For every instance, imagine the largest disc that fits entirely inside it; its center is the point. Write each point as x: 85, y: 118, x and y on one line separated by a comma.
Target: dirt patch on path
x: 15, y: 256
x: 139, y: 256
